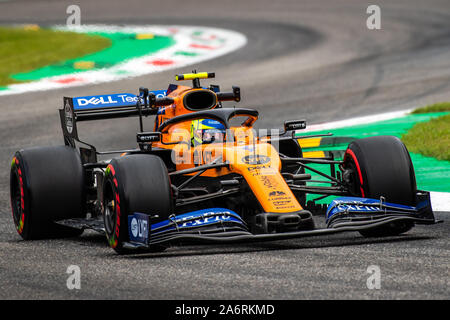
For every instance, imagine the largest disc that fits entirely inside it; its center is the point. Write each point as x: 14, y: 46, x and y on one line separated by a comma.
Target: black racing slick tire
x: 46, y: 185
x: 134, y: 183
x: 381, y: 167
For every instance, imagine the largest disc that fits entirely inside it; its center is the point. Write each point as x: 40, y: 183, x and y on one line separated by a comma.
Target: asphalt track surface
x: 304, y: 59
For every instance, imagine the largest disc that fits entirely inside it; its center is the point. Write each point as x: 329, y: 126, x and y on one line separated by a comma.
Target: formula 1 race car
x: 203, y: 174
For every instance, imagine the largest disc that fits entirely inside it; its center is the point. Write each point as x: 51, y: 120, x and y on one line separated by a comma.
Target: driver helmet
x: 206, y: 131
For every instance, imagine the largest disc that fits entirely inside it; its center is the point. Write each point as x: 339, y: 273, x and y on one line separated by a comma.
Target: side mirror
x: 230, y: 96
x: 145, y: 139
x: 148, y: 136
x: 147, y: 98
x: 291, y: 125
x: 237, y: 93
x: 143, y: 92
x: 151, y: 100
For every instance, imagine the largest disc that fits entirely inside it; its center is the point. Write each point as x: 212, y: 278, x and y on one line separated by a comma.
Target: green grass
x: 437, y: 107
x: 431, y: 138
x: 23, y: 50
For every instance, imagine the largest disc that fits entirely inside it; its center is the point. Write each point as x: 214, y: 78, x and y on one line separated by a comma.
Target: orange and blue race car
x: 203, y: 174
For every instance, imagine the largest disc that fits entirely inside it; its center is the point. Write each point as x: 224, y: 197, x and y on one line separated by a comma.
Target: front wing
x: 219, y: 225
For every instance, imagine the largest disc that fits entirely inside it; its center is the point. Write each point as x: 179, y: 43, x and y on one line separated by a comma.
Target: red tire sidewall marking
x: 19, y: 224
x: 350, y: 153
x: 114, y: 237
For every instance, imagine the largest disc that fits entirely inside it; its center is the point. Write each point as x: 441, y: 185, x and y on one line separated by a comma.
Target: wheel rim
x: 353, y: 178
x: 110, y: 210
x: 16, y: 199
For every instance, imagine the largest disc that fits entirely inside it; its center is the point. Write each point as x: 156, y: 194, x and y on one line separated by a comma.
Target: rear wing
x: 122, y: 105
x: 106, y: 107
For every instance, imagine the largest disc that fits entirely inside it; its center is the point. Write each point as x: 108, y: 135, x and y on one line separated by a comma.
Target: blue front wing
x: 220, y: 225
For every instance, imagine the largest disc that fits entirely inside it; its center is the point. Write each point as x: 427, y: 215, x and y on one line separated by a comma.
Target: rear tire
x: 381, y: 167
x: 46, y: 185
x: 134, y: 183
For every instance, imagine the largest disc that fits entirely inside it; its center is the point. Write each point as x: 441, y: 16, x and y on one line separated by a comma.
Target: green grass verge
x: 431, y: 138
x: 437, y: 107
x: 24, y: 50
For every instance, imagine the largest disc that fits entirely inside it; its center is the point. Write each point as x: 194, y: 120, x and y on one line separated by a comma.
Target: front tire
x: 381, y: 167
x: 134, y: 183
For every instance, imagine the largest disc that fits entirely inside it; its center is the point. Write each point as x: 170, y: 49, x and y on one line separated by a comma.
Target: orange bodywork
x: 177, y: 108
x: 257, y: 161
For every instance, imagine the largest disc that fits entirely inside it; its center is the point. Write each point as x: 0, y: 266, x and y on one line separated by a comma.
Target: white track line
x: 212, y: 43
x: 440, y: 201
x: 357, y: 121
